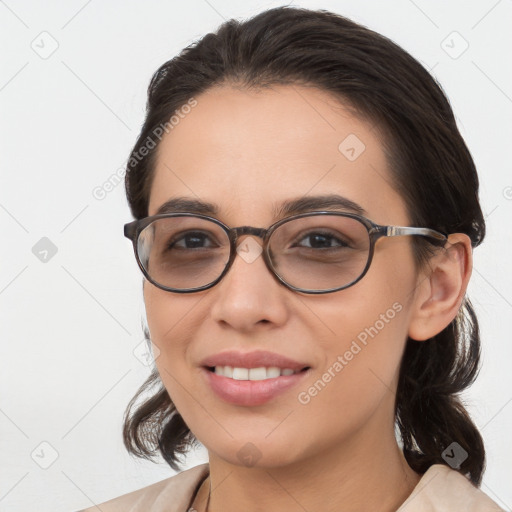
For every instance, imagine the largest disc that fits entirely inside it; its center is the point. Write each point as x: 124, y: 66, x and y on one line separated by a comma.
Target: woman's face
x: 248, y: 152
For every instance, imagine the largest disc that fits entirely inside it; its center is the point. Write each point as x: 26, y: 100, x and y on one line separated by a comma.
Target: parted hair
x: 431, y: 168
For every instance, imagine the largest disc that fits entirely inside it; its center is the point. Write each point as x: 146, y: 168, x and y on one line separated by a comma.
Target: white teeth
x: 261, y: 373
x: 257, y: 374
x: 273, y: 372
x: 240, y: 373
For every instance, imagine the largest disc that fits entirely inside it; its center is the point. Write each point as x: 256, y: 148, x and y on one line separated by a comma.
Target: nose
x: 249, y: 296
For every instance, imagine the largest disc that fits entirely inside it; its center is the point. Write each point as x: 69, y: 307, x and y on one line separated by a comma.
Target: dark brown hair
x: 432, y: 169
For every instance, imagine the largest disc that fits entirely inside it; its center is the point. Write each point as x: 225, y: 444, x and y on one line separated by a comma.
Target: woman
x: 306, y: 210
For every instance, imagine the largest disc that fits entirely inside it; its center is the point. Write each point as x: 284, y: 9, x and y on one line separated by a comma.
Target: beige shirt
x: 440, y: 489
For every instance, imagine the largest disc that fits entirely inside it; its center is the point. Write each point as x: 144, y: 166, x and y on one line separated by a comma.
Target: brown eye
x: 192, y: 240
x: 318, y: 240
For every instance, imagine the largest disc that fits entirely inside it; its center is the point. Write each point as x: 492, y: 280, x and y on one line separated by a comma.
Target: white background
x: 70, y: 325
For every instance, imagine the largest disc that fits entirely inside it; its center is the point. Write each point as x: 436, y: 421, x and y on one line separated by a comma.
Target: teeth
x: 261, y: 373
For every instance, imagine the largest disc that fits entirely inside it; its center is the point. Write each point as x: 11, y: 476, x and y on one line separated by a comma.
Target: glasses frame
x: 376, y: 231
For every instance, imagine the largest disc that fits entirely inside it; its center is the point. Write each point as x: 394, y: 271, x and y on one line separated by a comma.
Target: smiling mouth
x: 253, y: 374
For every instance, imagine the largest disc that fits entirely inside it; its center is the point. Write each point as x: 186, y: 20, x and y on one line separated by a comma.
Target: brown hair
x: 432, y: 169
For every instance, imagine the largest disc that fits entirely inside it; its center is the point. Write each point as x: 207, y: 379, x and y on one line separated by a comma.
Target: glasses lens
x: 183, y: 252
x: 320, y: 252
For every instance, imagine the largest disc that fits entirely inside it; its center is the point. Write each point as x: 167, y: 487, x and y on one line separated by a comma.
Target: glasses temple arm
x: 400, y: 231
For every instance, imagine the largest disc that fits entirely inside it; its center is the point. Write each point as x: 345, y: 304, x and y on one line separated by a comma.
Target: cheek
x: 362, y: 356
x: 171, y: 322
x: 360, y: 365
x: 367, y: 331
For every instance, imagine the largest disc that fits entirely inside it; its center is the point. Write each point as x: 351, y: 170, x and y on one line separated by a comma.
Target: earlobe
x: 441, y: 289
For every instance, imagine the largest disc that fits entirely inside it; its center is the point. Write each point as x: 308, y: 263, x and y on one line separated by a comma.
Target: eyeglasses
x: 314, y: 252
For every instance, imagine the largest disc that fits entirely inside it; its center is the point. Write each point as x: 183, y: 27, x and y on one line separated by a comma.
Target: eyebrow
x: 311, y: 203
x: 330, y: 202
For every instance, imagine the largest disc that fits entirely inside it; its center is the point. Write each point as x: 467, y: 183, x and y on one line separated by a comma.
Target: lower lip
x: 251, y: 392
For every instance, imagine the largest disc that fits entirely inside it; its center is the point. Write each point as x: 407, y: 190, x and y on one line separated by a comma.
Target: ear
x: 441, y: 288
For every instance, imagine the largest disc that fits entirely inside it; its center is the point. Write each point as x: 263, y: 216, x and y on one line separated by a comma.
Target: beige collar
x: 202, y: 498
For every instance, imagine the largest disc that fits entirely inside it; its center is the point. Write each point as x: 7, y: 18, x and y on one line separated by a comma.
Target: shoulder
x: 443, y: 489
x: 172, y: 494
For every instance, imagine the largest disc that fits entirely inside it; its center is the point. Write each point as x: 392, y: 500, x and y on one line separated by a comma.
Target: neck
x: 366, y: 472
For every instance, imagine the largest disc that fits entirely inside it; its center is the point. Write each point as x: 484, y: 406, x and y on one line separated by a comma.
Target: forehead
x: 249, y: 151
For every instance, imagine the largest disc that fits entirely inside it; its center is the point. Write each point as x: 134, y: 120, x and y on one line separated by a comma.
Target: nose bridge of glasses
x: 249, y: 230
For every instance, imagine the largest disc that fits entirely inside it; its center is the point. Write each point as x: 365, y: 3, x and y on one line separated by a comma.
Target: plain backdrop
x: 73, y: 82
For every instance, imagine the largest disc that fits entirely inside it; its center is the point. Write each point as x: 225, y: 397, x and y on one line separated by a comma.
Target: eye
x: 192, y: 240
x: 321, y: 240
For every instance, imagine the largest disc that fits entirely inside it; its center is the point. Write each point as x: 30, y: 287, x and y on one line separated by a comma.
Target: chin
x: 256, y: 452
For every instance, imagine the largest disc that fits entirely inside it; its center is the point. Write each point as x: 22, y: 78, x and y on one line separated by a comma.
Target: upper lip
x: 255, y: 359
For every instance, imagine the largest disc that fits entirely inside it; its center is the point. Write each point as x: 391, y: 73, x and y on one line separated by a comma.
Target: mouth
x: 252, y: 378
x: 254, y: 374
x: 250, y: 387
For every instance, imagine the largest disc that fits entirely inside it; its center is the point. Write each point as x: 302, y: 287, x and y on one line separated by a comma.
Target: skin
x: 247, y: 151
